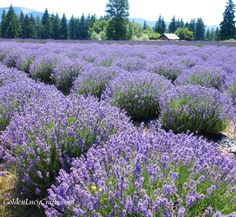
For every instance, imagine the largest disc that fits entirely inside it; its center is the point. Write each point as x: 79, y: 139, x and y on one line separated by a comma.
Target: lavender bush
x: 42, y: 67
x: 93, y: 80
x: 147, y: 174
x: 24, y: 61
x: 204, y: 75
x: 230, y: 86
x: 137, y: 93
x: 14, y: 96
x: 65, y: 72
x: 10, y: 58
x: 49, y: 132
x: 196, y: 108
x: 169, y: 68
x: 10, y: 75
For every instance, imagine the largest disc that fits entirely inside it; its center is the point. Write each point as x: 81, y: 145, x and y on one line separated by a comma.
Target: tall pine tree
x: 46, y: 25
x: 227, y: 26
x: 55, y: 22
x: 172, y: 25
x: 200, y: 30
x: 63, y: 28
x: 3, y: 24
x: 118, y: 13
x: 11, y: 24
x: 160, y: 25
x: 27, y: 28
x: 72, y: 28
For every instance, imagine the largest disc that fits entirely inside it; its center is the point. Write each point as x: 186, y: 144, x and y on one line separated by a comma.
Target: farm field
x: 117, y: 130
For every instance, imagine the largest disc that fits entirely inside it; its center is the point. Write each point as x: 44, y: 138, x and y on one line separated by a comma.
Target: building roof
x: 171, y: 36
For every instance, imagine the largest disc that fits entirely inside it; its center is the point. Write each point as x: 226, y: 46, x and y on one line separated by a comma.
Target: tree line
x: 114, y: 25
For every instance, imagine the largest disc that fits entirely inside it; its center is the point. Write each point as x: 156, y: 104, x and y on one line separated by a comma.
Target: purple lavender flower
x: 137, y: 93
x: 93, y: 80
x: 204, y: 75
x: 50, y: 131
x: 65, y: 72
x: 106, y: 176
x: 197, y: 109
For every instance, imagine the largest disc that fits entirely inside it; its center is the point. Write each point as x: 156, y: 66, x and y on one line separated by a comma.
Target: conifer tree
x: 3, y: 24
x: 11, y: 24
x: 63, y: 28
x: 55, y: 22
x: 72, y: 28
x: 144, y: 25
x: 160, y: 25
x: 227, y: 26
x: 172, y: 25
x: 27, y: 28
x: 46, y: 25
x: 200, y: 29
x: 118, y: 13
x: 37, y: 27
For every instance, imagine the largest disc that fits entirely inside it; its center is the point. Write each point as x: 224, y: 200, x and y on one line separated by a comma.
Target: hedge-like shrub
x: 14, y: 96
x: 65, y: 72
x: 49, y: 133
x: 147, y: 174
x: 169, y: 68
x: 137, y: 93
x: 10, y: 75
x: 196, y: 108
x: 42, y: 67
x: 93, y: 80
x: 230, y: 86
x: 204, y: 75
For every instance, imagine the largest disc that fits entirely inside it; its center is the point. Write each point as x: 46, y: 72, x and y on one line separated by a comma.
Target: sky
x: 210, y: 10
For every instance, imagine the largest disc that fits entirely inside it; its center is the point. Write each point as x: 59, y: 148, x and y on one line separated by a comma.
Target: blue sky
x: 210, y: 10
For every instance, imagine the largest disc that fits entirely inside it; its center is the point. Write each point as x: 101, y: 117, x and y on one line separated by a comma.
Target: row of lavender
x: 136, y: 79
x: 128, y: 171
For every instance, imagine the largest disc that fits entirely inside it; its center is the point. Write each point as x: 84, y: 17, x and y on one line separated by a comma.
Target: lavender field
x: 118, y: 130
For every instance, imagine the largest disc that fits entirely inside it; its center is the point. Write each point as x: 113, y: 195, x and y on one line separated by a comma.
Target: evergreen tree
x: 3, y: 24
x: 72, y: 28
x: 21, y: 17
x: 163, y: 26
x: 160, y: 25
x: 82, y: 31
x: 227, y: 26
x: 192, y: 27
x: 26, y: 27
x: 32, y: 20
x: 186, y: 25
x: 77, y: 28
x: 181, y: 23
x: 11, y: 24
x: 46, y: 26
x: 208, y: 36
x: 37, y: 27
x: 118, y: 13
x: 63, y: 28
x: 144, y: 25
x: 200, y: 29
x: 212, y: 34
x: 21, y: 20
x: 55, y: 22
x: 172, y: 25
x: 217, y: 34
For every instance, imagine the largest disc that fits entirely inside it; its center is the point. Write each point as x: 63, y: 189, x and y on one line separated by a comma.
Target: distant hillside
x: 141, y: 21
x: 18, y: 10
x: 152, y: 23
